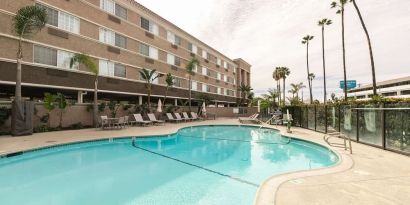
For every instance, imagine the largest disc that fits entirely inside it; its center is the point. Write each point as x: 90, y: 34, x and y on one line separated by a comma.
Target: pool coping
x: 266, y: 193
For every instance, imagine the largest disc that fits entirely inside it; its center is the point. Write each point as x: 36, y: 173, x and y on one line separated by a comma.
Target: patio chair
x: 186, y: 117
x: 120, y: 123
x: 252, y: 118
x: 104, y: 122
x: 153, y: 119
x: 178, y: 117
x: 139, y: 120
x: 172, y: 119
x: 195, y: 116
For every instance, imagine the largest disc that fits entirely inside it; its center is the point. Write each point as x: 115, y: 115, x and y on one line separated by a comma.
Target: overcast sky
x: 268, y: 33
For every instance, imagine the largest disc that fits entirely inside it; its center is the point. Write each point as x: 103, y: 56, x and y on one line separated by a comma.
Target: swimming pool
x: 197, y: 165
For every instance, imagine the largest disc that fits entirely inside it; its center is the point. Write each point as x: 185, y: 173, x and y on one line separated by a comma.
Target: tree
x: 149, y: 77
x: 306, y: 41
x: 28, y: 20
x: 245, y: 90
x: 190, y: 69
x: 284, y: 73
x: 271, y: 96
x: 322, y: 23
x: 276, y: 77
x: 86, y: 60
x: 370, y: 46
x: 53, y: 101
x: 312, y: 76
x: 169, y: 80
x: 341, y: 10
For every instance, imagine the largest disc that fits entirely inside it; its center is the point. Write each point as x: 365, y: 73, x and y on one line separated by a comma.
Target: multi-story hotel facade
x: 123, y: 37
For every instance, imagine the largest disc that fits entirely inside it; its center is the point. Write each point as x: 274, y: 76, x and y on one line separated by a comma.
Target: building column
x: 140, y: 100
x: 176, y: 102
x: 80, y: 98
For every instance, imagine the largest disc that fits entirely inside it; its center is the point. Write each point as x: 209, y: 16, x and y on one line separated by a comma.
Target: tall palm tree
x: 28, y: 20
x: 370, y: 46
x: 271, y: 95
x: 293, y: 90
x: 276, y: 76
x: 245, y: 90
x: 322, y: 23
x: 306, y: 40
x: 284, y: 73
x: 341, y: 10
x: 169, y: 80
x: 91, y: 66
x: 300, y: 86
x: 149, y: 77
x: 312, y: 76
x: 190, y: 67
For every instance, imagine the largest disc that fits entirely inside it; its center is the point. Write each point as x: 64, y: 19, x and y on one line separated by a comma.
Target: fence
x: 385, y: 126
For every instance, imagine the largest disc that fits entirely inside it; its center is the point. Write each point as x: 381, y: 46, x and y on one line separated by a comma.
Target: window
x: 177, y: 82
x: 218, y: 90
x: 106, y: 68
x: 218, y: 76
x: 405, y: 92
x: 205, y: 88
x: 148, y: 51
x: 225, y: 65
x: 218, y: 62
x: 194, y: 85
x: 195, y: 68
x: 62, y: 20
x: 120, y: 11
x: 204, y: 54
x: 174, y: 39
x: 120, y: 70
x: 120, y: 41
x: 225, y: 78
x: 204, y: 71
x: 107, y: 36
x: 226, y: 91
x: 173, y: 60
x: 43, y: 55
x: 149, y: 26
x: 64, y: 58
x: 107, y: 5
x: 192, y: 48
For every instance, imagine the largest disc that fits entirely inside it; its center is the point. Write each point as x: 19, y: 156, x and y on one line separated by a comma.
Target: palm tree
x: 271, y: 95
x: 306, y: 41
x: 312, y: 76
x: 149, y: 77
x: 28, y: 20
x: 300, y: 86
x: 370, y: 47
x: 277, y: 78
x: 322, y: 23
x: 91, y: 66
x: 245, y: 90
x: 190, y: 67
x: 169, y: 80
x: 284, y: 72
x: 341, y: 10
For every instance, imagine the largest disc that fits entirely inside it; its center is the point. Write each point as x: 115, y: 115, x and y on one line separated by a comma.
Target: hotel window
x: 108, y: 68
x: 218, y: 61
x: 205, y: 54
x: 205, y: 88
x: 62, y: 20
x: 218, y: 76
x: 174, y: 39
x: 195, y: 68
x: 149, y: 26
x: 194, y: 86
x: 204, y: 71
x: 148, y: 51
x: 225, y: 65
x: 120, y: 41
x: 64, y: 58
x: 177, y: 82
x: 192, y: 48
x: 173, y: 60
x: 226, y: 91
x: 218, y: 90
x: 107, y: 36
x: 53, y: 57
x: 120, y: 70
x: 108, y: 5
x: 225, y: 78
x: 120, y: 11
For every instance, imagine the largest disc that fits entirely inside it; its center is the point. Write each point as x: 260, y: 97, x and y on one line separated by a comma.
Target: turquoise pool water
x: 198, y: 165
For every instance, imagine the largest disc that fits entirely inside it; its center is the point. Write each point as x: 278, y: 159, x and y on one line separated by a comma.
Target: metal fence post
x: 357, y: 124
x: 315, y: 117
x: 384, y: 126
x: 326, y: 118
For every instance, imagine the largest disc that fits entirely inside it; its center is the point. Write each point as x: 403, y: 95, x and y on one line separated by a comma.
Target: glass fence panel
x: 333, y: 119
x: 320, y: 118
x: 311, y: 118
x: 304, y: 117
x: 371, y: 125
x: 397, y: 124
x: 348, y: 119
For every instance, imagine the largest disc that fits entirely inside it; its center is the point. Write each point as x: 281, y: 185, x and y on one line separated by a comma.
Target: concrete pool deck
x: 369, y: 176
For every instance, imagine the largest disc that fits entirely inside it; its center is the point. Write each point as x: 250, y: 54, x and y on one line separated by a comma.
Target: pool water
x: 198, y: 165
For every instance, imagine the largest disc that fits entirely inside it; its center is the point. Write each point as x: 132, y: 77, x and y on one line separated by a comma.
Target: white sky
x: 268, y: 33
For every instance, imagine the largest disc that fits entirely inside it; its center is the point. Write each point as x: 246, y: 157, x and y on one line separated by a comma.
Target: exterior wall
x: 87, y: 41
x: 244, y: 74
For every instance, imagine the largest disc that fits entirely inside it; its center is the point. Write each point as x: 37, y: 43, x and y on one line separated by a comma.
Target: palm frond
x: 84, y: 60
x: 29, y: 20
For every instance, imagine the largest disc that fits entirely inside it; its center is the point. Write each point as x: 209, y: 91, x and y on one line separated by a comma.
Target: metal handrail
x: 345, y: 138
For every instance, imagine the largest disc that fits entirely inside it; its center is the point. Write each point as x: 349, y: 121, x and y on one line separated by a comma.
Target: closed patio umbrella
x: 203, y: 109
x: 159, y: 108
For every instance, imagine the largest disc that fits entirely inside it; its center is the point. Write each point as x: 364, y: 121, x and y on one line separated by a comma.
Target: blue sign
x: 350, y: 84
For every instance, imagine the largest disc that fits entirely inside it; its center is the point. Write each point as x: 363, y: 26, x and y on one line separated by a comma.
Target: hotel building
x: 394, y: 88
x: 122, y: 37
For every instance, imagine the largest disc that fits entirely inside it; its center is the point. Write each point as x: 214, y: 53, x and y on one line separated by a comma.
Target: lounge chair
x: 153, y: 119
x: 172, y: 119
x: 186, y: 117
x: 252, y: 118
x: 120, y: 123
x: 178, y: 117
x: 195, y: 116
x: 139, y: 120
x: 104, y: 122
